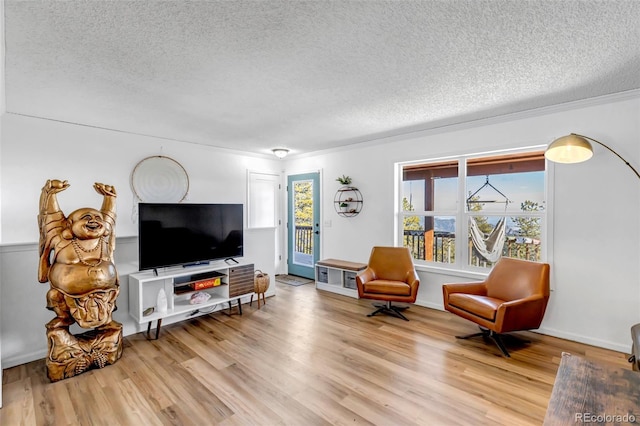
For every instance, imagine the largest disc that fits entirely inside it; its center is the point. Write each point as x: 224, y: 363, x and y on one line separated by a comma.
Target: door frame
x: 301, y: 270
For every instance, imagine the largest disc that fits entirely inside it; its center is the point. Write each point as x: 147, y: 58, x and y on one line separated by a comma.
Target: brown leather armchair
x: 391, y: 277
x: 513, y: 297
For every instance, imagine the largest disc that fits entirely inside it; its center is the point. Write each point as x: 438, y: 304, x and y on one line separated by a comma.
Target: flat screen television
x: 188, y: 234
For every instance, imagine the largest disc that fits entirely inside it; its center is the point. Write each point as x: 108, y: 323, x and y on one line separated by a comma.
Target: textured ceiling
x: 309, y: 75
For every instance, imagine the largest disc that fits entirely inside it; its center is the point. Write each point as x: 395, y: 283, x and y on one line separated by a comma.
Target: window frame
x: 462, y: 263
x: 256, y: 194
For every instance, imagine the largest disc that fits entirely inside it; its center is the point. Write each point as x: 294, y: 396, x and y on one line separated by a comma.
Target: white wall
x: 2, y: 112
x: 35, y: 150
x: 596, y: 235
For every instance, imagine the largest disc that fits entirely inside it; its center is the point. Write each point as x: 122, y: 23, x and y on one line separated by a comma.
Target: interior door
x: 303, y: 224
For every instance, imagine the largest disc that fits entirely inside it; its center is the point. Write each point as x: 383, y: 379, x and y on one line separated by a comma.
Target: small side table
x: 338, y: 276
x: 584, y: 390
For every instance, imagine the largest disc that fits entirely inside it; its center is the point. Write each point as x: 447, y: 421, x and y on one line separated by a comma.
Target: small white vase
x: 161, y: 302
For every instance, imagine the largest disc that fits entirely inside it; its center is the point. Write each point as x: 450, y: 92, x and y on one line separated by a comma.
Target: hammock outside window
x: 490, y: 248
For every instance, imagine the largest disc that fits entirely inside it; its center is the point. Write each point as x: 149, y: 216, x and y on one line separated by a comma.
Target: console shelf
x: 232, y: 283
x: 186, y: 284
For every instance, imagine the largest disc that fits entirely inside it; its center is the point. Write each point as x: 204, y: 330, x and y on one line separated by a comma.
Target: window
x: 262, y: 202
x: 468, y: 211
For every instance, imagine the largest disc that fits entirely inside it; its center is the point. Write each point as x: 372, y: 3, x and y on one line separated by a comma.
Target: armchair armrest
x: 365, y: 276
x: 521, y: 314
x: 477, y: 288
x: 412, y: 278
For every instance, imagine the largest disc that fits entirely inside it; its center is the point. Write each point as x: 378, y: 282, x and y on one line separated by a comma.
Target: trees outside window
x: 468, y: 211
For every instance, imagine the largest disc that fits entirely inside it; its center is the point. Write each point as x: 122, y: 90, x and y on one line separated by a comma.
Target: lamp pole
x: 610, y: 149
x: 575, y: 148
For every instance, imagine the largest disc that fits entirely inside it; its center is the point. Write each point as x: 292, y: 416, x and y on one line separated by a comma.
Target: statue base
x: 70, y: 355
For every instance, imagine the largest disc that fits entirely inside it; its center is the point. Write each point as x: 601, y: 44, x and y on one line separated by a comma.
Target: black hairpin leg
x: 158, y: 325
x: 239, y: 306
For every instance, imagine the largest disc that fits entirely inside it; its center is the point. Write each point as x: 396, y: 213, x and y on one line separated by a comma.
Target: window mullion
x: 462, y: 254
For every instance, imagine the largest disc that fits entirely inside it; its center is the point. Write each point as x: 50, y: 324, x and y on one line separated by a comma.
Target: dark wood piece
x: 240, y: 280
x: 342, y: 264
x: 589, y: 392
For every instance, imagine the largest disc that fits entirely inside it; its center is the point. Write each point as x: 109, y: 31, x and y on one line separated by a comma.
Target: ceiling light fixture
x: 576, y: 148
x: 280, y: 152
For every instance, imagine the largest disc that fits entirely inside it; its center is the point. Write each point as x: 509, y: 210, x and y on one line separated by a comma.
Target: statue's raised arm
x: 51, y: 222
x: 108, y: 210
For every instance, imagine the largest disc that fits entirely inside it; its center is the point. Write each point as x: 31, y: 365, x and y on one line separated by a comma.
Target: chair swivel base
x: 496, y: 337
x: 389, y: 309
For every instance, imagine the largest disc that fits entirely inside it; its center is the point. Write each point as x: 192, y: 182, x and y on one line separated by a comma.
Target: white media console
x: 179, y: 284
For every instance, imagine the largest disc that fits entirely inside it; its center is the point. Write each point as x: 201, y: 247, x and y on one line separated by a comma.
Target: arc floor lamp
x: 576, y: 148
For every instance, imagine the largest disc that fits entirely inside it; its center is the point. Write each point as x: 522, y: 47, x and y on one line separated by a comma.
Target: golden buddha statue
x: 76, y: 258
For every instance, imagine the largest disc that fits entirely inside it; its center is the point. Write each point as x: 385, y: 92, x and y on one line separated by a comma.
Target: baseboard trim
x: 23, y: 359
x: 618, y: 347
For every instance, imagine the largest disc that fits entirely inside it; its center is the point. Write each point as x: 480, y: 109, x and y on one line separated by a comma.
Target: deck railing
x: 443, y: 245
x: 443, y: 250
x: 303, y: 239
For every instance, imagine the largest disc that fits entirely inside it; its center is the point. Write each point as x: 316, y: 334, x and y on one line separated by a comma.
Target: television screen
x: 179, y: 234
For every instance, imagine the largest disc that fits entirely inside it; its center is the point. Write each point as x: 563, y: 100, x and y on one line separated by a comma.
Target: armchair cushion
x: 398, y: 288
x: 482, y: 306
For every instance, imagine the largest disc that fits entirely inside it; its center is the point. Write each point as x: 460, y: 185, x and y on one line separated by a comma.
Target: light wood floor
x: 306, y: 358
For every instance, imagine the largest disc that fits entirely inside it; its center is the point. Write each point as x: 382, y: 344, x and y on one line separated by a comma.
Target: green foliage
x: 303, y: 201
x: 410, y: 222
x: 529, y: 226
x: 344, y: 180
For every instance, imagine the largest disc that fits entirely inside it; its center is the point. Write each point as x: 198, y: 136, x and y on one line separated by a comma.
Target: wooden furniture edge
x: 342, y: 264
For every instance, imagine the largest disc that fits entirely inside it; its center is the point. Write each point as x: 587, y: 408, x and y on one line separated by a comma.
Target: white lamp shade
x: 569, y: 149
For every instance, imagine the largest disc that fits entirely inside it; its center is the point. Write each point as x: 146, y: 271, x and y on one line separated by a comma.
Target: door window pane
x: 303, y: 222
